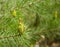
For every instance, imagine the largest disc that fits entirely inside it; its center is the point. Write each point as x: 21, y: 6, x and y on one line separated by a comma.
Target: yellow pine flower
x: 21, y: 26
x: 56, y: 14
x: 13, y: 13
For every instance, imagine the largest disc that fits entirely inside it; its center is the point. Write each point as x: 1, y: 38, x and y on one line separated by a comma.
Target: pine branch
x: 8, y: 36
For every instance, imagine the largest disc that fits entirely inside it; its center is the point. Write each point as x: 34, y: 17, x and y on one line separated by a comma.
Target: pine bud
x: 13, y: 13
x: 21, y: 26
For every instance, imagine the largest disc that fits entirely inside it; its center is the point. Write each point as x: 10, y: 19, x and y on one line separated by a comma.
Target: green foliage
x: 38, y: 18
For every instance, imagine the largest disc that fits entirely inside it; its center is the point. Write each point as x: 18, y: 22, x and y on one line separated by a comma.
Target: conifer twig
x: 3, y: 37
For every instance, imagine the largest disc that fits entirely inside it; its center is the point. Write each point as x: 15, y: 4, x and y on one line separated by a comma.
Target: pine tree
x: 25, y: 23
